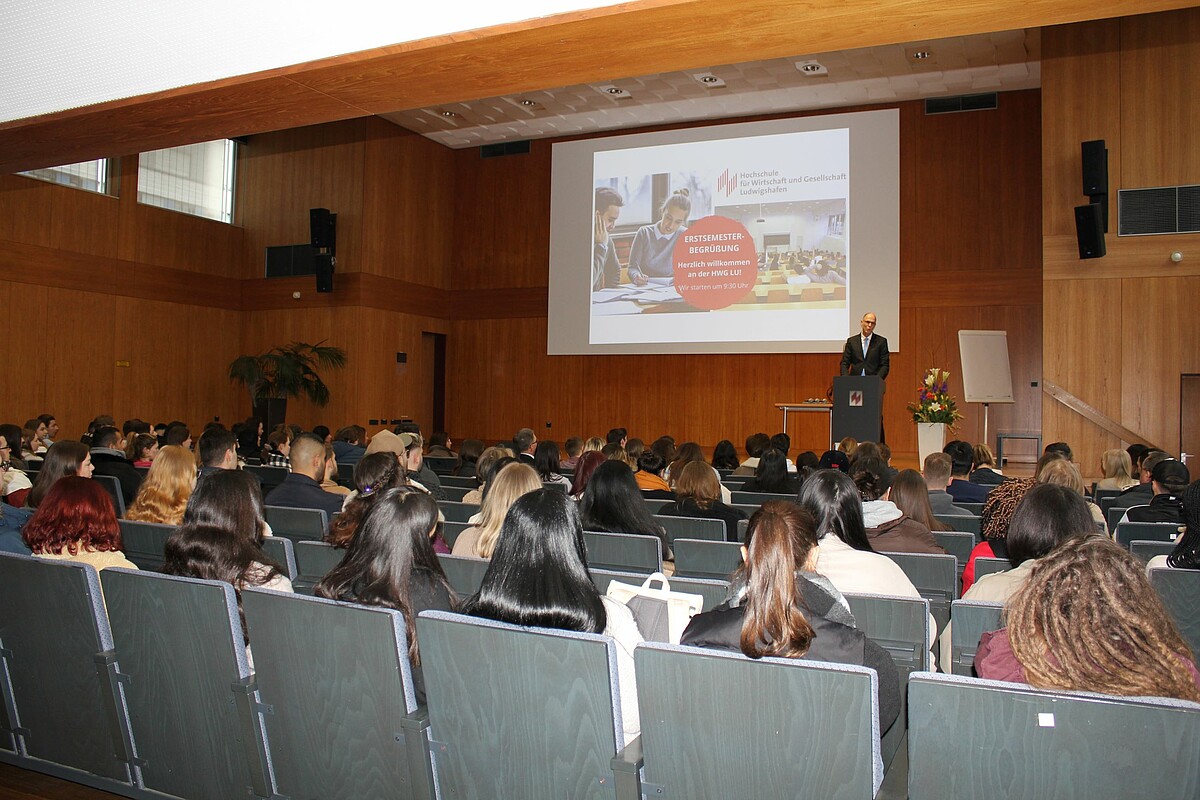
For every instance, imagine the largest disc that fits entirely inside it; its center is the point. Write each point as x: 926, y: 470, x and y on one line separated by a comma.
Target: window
x: 89, y: 175
x: 194, y: 179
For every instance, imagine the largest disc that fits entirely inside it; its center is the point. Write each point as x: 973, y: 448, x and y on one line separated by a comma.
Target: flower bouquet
x: 934, y: 403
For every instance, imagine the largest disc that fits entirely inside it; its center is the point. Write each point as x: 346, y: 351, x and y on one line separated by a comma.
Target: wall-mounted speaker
x: 322, y: 229
x: 1095, y: 167
x: 324, y: 264
x: 1089, y: 230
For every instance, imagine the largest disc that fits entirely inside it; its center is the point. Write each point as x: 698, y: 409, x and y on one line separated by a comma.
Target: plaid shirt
x: 277, y: 459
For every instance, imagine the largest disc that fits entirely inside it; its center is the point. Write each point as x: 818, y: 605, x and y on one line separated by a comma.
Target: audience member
x: 994, y: 521
x: 633, y: 450
x: 649, y: 477
x: 485, y: 470
x: 545, y: 461
x: 686, y: 454
x: 806, y: 464
x: 14, y: 483
x: 1137, y: 452
x: 440, y: 444
x: 329, y: 482
x: 911, y: 495
x: 1061, y: 448
x: 302, y: 487
x: 165, y: 491
x: 322, y: 433
x: 962, y: 461
x: 1186, y: 554
x: 1169, y: 478
x: 12, y: 436
x: 834, y: 459
x: 101, y: 421
x: 51, y: 428
x: 617, y: 436
x: 1061, y: 472
x: 782, y: 608
x: 468, y: 458
x: 525, y: 442
x: 725, y: 456
x: 756, y: 443
x: 593, y: 443
x: 108, y: 457
x: 848, y: 445
x: 249, y: 435
x: 178, y: 433
x: 1088, y: 619
x: 390, y: 563
x: 889, y: 530
x: 937, y: 478
x: 664, y: 448
x: 141, y: 449
x: 76, y: 521
x: 419, y: 473
x: 64, y: 459
x: 217, y: 451
x: 616, y: 452
x: 613, y: 503
x: 698, y: 494
x: 349, y: 444
x: 37, y: 439
x: 771, y: 475
x: 783, y: 443
x: 11, y: 522
x: 511, y: 482
x: 539, y: 578
x: 1117, y: 468
x: 986, y: 472
x: 279, y: 447
x: 1140, y: 494
x: 574, y: 448
x: 373, y: 476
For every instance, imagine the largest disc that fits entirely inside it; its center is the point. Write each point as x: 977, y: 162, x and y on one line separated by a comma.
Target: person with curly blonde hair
x: 1089, y: 620
x: 165, y: 490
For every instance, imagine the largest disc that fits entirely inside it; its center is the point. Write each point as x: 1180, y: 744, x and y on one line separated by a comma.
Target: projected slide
x: 754, y: 237
x: 733, y: 240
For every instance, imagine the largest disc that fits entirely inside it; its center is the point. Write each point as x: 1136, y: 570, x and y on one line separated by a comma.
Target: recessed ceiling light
x: 812, y: 68
x: 612, y: 91
x: 708, y: 80
x: 449, y: 114
x: 528, y: 102
x: 920, y: 55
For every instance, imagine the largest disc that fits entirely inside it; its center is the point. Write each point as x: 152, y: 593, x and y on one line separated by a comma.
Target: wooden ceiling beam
x: 631, y: 39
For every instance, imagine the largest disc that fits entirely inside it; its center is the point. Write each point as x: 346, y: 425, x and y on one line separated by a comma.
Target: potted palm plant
x: 285, y: 371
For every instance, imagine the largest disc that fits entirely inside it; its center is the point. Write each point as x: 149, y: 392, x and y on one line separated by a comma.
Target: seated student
x: 373, y: 476
x: 910, y: 493
x: 962, y: 461
x: 698, y: 494
x: 439, y: 445
x: 1089, y: 620
x: 588, y: 462
x: 177, y: 433
x: 165, y: 491
x: 633, y: 450
x: 511, y: 481
x: 329, y: 480
x: 15, y: 485
x: 771, y: 475
x: 1117, y: 468
x: 37, y: 441
x: 613, y: 503
x: 279, y: 447
x: 756, y: 443
x: 806, y: 464
x: 108, y: 458
x: 781, y: 607
x: 249, y: 435
x: 1186, y: 554
x: 574, y: 448
x: 63, y: 459
x: 889, y: 530
x: 217, y: 451
x: 834, y: 459
x: 545, y: 461
x: 302, y: 487
x: 391, y: 563
x: 1141, y: 493
x: 725, y: 456
x: 349, y: 444
x: 539, y: 578
x: 686, y: 454
x: 11, y: 522
x: 485, y: 471
x: 76, y: 521
x: 420, y: 474
x: 1168, y: 478
x: 986, y: 472
x: 1055, y: 469
x: 937, y: 476
x: 141, y: 449
x: 649, y: 476
x: 994, y: 521
x: 468, y: 457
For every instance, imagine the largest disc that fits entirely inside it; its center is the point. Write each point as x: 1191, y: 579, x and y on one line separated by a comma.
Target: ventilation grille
x: 1169, y: 209
x: 504, y: 149
x: 965, y: 102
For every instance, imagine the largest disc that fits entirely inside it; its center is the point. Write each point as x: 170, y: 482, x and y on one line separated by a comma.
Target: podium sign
x: 857, y: 407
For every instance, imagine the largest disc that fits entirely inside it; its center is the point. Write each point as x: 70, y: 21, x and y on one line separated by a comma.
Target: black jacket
x: 1161, y: 508
x: 877, y: 361
x: 718, y: 510
x: 835, y: 643
x: 120, y: 468
x: 301, y: 491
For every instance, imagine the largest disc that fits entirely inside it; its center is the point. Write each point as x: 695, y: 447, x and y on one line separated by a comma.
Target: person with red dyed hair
x: 76, y: 522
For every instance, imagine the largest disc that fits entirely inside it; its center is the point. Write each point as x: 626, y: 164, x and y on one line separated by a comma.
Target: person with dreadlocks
x: 1088, y: 620
x: 998, y: 511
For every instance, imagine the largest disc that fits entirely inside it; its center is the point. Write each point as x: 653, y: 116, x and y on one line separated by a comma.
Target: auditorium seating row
x: 148, y: 691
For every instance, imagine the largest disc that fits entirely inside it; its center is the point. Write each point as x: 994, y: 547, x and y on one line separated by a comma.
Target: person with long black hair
x: 613, y: 503
x: 539, y: 578
x: 390, y: 562
x: 546, y: 461
x: 772, y: 476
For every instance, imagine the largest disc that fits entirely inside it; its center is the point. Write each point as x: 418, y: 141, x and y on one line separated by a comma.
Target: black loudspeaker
x: 322, y: 228
x: 1095, y: 167
x: 325, y: 272
x: 1089, y: 230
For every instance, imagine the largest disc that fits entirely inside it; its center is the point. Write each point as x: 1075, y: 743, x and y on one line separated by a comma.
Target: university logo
x: 856, y: 398
x: 727, y: 183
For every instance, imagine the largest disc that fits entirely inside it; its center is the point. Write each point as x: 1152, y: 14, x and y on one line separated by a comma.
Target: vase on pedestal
x: 931, y: 438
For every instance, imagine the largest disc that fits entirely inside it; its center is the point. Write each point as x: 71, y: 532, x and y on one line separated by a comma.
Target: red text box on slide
x: 715, y: 263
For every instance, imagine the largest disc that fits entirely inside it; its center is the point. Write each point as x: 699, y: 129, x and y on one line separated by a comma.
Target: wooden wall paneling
x: 183, y: 241
x: 23, y: 395
x: 214, y: 340
x: 1081, y: 101
x: 263, y: 330
x: 78, y: 352
x: 1159, y: 60
x: 283, y: 175
x: 409, y: 206
x: 1010, y: 186
x: 25, y: 210
x: 84, y: 222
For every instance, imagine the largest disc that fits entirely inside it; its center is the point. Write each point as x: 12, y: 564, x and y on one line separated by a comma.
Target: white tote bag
x: 661, y: 614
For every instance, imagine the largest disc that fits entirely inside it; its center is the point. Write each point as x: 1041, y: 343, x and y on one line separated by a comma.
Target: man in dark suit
x: 867, y: 355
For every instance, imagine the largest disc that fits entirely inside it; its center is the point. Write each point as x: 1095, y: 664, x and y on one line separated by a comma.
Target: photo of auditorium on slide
x: 744, y: 239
